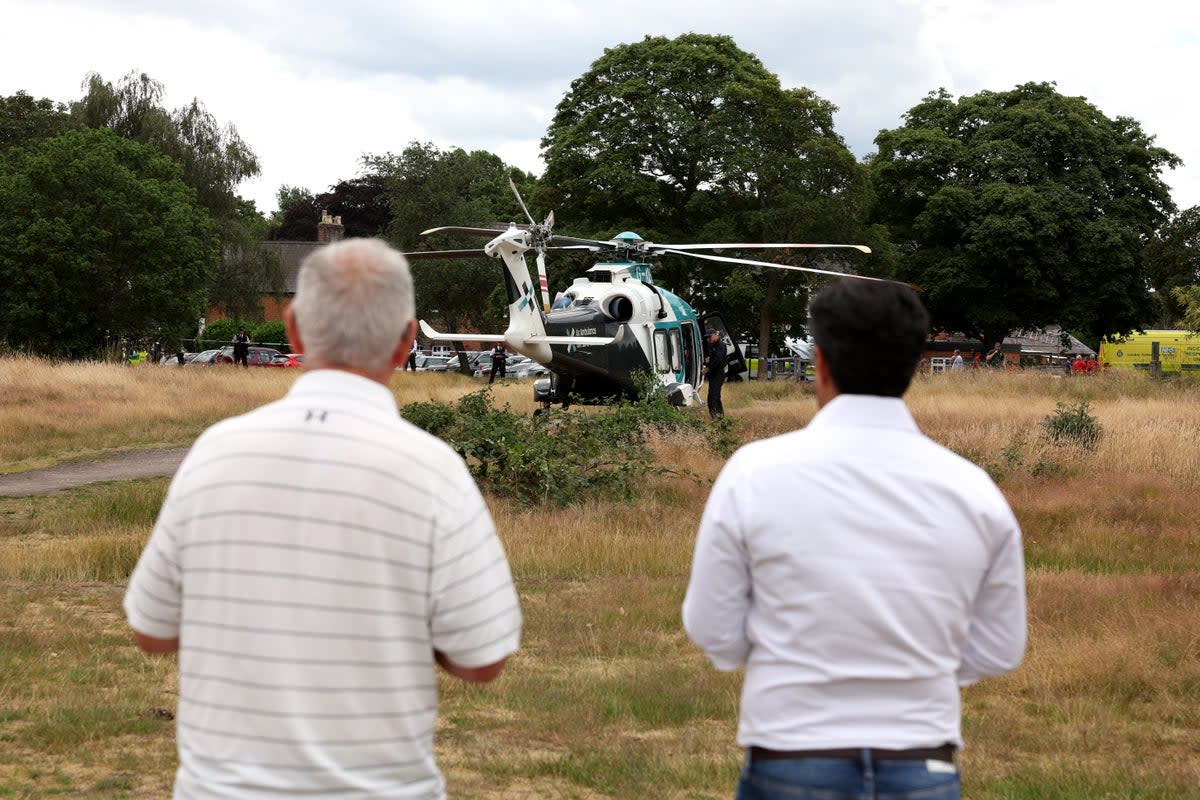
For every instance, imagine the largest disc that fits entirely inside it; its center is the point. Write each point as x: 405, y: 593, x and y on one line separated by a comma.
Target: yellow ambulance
x: 1178, y: 352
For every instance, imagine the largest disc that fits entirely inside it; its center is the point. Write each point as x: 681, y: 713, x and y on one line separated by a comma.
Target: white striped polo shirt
x: 311, y: 555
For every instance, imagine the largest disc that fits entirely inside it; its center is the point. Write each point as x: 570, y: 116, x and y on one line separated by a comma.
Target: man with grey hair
x: 315, y: 558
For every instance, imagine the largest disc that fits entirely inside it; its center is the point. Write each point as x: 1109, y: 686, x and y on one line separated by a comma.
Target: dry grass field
x: 607, y: 698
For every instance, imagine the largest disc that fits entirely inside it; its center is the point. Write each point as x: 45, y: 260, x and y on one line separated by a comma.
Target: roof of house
x: 1051, y: 340
x: 291, y: 254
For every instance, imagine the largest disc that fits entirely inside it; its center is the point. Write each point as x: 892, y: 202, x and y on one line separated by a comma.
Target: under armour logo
x: 319, y: 416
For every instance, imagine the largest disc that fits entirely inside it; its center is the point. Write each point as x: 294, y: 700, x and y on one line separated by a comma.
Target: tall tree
x: 1023, y: 208
x: 428, y: 187
x: 693, y: 138
x: 1173, y: 260
x: 794, y: 180
x: 103, y: 240
x: 641, y: 136
x: 212, y: 157
x: 245, y: 272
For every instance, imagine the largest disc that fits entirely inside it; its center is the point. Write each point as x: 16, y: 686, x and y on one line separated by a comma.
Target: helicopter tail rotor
x: 520, y: 201
x: 541, y: 235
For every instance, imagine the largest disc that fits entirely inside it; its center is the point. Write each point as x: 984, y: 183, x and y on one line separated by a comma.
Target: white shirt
x: 956, y: 364
x: 860, y: 572
x: 311, y: 555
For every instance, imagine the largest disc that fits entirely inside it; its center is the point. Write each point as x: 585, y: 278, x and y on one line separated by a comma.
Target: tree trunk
x: 765, y: 319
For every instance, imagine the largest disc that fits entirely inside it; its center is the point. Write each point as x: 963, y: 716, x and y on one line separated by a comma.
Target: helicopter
x: 609, y: 325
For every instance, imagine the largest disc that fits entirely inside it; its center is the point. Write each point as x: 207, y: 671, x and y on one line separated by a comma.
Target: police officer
x: 715, y: 359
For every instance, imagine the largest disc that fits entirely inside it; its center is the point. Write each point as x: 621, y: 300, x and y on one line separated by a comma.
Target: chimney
x: 330, y: 229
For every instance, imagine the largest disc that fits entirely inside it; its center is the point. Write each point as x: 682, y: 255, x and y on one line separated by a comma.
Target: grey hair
x: 354, y: 299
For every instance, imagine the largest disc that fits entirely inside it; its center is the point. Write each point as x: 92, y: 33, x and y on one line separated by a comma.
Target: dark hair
x: 872, y: 334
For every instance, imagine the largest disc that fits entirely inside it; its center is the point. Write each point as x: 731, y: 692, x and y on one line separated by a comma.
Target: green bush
x: 1073, y: 425
x: 218, y: 333
x: 270, y: 334
x: 554, y: 457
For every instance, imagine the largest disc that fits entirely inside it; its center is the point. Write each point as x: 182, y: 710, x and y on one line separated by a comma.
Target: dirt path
x: 123, y: 467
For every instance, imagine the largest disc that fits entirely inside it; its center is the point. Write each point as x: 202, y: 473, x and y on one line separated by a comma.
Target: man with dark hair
x: 241, y: 348
x: 499, y: 362
x: 859, y: 572
x: 715, y: 362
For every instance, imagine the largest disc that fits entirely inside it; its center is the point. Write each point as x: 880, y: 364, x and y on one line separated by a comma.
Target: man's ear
x: 400, y: 356
x: 826, y: 388
x: 289, y: 327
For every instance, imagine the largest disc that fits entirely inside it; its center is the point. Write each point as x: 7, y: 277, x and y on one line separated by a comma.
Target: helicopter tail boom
x: 578, y: 341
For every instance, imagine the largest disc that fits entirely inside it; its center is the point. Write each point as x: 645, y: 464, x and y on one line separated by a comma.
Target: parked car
x: 527, y: 368
x: 258, y: 357
x: 451, y: 365
x: 515, y: 366
x: 430, y: 363
x: 203, y: 358
x: 289, y: 360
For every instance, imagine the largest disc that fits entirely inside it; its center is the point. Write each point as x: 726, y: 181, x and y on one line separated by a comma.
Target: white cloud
x: 312, y: 86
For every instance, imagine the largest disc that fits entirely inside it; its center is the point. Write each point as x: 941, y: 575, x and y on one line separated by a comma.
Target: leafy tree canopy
x: 648, y: 129
x: 24, y: 120
x: 1023, y: 208
x: 1173, y: 261
x: 363, y: 204
x: 297, y: 217
x: 1188, y: 298
x: 213, y: 159
x: 103, y: 240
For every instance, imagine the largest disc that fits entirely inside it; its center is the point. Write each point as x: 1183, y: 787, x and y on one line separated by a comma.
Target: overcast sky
x: 312, y: 86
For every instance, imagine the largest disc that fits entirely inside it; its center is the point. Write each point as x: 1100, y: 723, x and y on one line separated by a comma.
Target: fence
x: 781, y: 368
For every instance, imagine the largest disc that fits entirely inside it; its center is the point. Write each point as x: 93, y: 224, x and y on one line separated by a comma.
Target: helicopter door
x: 736, y: 364
x: 690, y: 335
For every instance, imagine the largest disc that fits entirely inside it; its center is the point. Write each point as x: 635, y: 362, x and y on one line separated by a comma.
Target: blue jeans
x: 846, y: 779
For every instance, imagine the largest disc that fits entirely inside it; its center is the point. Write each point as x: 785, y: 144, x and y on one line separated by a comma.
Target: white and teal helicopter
x: 607, y: 326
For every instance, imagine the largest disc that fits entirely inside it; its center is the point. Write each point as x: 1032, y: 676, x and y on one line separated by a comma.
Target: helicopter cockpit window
x: 676, y: 351
x: 662, y: 351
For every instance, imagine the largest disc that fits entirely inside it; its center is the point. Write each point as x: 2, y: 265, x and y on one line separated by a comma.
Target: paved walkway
x: 123, y: 467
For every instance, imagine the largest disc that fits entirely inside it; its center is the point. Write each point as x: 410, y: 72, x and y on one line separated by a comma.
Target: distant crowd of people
x: 1085, y: 366
x: 1079, y: 365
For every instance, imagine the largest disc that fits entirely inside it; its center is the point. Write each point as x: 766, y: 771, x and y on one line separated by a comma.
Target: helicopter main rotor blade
x: 862, y: 248
x: 591, y: 244
x: 729, y: 260
x: 489, y: 232
x: 421, y: 255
